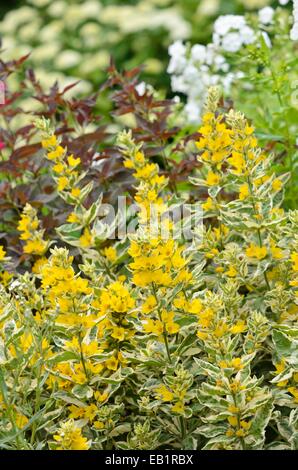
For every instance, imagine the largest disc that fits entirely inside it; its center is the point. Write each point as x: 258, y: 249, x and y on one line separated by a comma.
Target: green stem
x: 165, y: 336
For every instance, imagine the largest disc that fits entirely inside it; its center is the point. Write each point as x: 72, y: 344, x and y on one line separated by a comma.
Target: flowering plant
x: 155, y: 340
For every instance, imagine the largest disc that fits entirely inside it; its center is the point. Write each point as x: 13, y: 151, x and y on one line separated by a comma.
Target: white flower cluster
x: 231, y: 32
x: 194, y: 71
x: 294, y: 30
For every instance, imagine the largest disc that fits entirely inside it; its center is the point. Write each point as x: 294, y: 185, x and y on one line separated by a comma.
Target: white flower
x: 283, y: 2
x: 198, y: 53
x: 141, y: 88
x: 231, y: 32
x: 247, y: 35
x: 232, y: 42
x: 266, y: 15
x: 178, y: 61
x: 224, y: 23
x: 178, y: 84
x: 191, y: 73
x: 194, y: 71
x: 294, y: 30
x: 193, y: 111
x: 68, y: 59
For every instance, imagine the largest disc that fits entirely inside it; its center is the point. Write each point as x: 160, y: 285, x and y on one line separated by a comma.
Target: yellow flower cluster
x: 64, y: 168
x: 30, y: 232
x: 102, y: 341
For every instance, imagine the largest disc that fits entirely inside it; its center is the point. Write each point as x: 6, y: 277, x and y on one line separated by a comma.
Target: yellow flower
x: 237, y: 363
x: 232, y: 272
x: 294, y: 258
x: 110, y: 253
x: 243, y: 191
x: 172, y: 328
x: 86, y: 239
x: 233, y: 421
x: 233, y: 409
x: 280, y: 367
x: 245, y: 424
x: 118, y: 333
x: 70, y: 437
x: 36, y: 247
x: 202, y: 335
x: 50, y: 142
x: 73, y: 161
x: 208, y: 205
x: 38, y: 265
x: 237, y: 161
x: 212, y: 179
x: 2, y: 253
x: 56, y: 154
x: 163, y: 393
x: 178, y: 407
x: 195, y: 306
x: 58, y: 168
x: 73, y: 218
x: 112, y: 363
x: 276, y: 184
x: 294, y: 392
x: 276, y: 252
x: 149, y: 304
x: 21, y: 420
x: 62, y: 183
x: 254, y: 251
x: 75, y: 192
x: 239, y: 327
x: 98, y: 425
